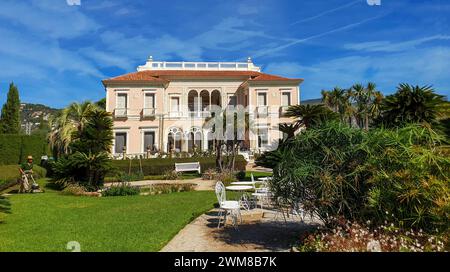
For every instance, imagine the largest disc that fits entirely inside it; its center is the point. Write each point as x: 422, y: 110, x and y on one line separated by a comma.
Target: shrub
x: 337, y: 171
x: 240, y: 175
x: 86, y: 169
x: 168, y: 188
x: 171, y: 175
x: 121, y: 189
x: 209, y: 174
x: 74, y: 189
x: 226, y: 177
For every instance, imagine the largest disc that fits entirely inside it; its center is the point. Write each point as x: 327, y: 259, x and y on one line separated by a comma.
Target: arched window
x: 193, y: 101
x: 204, y: 96
x: 195, y: 139
x: 174, y: 139
x: 216, y: 99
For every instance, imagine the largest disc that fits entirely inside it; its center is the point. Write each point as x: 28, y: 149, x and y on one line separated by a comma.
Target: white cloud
x: 41, y: 54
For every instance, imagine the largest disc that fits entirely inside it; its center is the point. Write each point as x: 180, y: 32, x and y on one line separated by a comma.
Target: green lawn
x: 48, y: 221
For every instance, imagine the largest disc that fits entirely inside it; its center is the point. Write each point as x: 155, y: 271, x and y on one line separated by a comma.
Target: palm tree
x: 411, y: 104
x: 310, y: 115
x: 289, y: 129
x: 68, y: 125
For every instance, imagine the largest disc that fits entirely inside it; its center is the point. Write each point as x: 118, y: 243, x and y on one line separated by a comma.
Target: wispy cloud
x: 326, y: 12
x: 272, y: 50
x: 388, y: 46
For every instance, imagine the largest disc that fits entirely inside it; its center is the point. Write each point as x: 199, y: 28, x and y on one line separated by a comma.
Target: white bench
x: 187, y: 167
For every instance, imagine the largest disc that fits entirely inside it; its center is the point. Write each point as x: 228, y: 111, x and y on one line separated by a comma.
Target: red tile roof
x: 162, y: 76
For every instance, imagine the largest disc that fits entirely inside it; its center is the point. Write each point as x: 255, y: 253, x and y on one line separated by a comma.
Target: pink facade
x: 165, y: 105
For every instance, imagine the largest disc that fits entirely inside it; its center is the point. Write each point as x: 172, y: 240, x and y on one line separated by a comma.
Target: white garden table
x: 250, y: 183
x: 243, y: 198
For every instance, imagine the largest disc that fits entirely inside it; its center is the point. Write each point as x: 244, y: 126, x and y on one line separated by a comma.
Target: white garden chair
x: 261, y: 194
x: 226, y: 206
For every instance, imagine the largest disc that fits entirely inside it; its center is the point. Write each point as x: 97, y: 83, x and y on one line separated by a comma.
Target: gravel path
x: 256, y: 234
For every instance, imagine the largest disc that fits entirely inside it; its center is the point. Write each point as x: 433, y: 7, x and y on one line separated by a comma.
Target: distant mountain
x: 31, y: 116
x: 311, y: 101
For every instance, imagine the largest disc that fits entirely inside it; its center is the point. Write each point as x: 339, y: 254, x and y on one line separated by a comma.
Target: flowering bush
x: 354, y: 237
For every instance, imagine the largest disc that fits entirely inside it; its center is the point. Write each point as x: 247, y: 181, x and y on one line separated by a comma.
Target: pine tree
x: 10, y: 117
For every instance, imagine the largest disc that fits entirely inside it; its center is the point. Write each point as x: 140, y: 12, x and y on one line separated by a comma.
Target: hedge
x: 160, y: 166
x: 15, y: 148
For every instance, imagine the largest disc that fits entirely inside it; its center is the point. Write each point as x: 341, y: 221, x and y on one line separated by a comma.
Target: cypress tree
x: 10, y: 117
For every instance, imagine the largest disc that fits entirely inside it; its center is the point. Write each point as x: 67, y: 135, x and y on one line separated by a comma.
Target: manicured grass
x: 256, y: 175
x: 48, y: 221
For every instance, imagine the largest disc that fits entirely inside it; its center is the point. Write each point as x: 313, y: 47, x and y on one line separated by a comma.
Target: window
x: 149, y: 102
x: 175, y: 104
x: 263, y: 137
x: 262, y: 99
x: 232, y: 100
x: 121, y: 104
x: 285, y: 99
x: 120, y: 142
x: 149, y: 140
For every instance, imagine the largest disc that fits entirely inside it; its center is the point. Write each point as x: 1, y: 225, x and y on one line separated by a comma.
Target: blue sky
x: 58, y: 53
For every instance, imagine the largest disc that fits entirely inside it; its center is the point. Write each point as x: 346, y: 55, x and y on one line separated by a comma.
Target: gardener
x: 26, y: 169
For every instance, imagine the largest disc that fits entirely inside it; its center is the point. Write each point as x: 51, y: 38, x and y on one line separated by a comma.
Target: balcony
x: 120, y: 113
x: 283, y: 110
x: 148, y: 113
x: 199, y: 114
x: 262, y: 111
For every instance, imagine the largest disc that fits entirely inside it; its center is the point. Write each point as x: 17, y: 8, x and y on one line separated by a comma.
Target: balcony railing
x: 148, y: 112
x: 283, y: 110
x: 262, y: 111
x: 199, y: 114
x: 121, y: 113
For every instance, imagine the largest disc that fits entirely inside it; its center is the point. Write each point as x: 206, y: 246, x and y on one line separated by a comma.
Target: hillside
x: 31, y: 115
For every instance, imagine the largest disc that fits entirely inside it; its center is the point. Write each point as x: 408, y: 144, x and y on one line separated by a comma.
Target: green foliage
x: 5, y: 205
x: 87, y: 169
x: 311, y: 115
x: 163, y: 188
x: 121, y: 189
x: 10, y: 115
x: 171, y: 175
x: 240, y: 175
x: 270, y: 159
x: 74, y: 190
x: 337, y: 171
x: 101, y: 103
x: 159, y: 166
x: 15, y: 148
x: 411, y: 104
x: 96, y: 135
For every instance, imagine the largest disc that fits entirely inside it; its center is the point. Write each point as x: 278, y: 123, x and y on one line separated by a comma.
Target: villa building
x: 164, y: 105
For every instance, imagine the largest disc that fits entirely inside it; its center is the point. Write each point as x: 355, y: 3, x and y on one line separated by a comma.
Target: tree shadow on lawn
x: 266, y: 234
